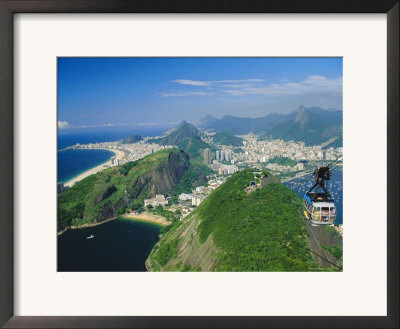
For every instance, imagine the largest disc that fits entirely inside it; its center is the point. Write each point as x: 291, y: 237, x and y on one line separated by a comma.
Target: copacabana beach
x: 118, y: 154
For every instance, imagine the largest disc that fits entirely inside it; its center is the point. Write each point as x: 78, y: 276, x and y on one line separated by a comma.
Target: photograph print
x: 199, y: 164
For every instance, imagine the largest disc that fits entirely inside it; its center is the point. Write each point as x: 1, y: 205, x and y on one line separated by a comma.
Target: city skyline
x: 117, y: 92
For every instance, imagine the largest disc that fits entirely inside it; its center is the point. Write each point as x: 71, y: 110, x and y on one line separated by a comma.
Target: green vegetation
x: 330, y: 229
x: 195, y: 147
x: 167, y: 251
x: 260, y: 231
x: 283, y: 161
x: 336, y: 251
x: 338, y: 142
x: 183, y: 131
x: 169, y: 215
x: 71, y: 205
x: 187, y: 138
x: 238, y: 150
x: 132, y: 139
x: 194, y: 176
x: 226, y: 138
x: 238, y: 230
x: 171, y: 227
x: 179, y: 267
x: 112, y: 191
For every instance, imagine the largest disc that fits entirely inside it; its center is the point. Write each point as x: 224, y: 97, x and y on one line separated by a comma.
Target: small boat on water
x: 91, y: 236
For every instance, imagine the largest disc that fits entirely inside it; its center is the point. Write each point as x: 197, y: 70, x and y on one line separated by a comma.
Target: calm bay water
x: 118, y: 245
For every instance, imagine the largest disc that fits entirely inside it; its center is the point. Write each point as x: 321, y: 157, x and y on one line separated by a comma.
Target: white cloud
x: 239, y: 81
x: 311, y: 85
x: 144, y: 124
x: 212, y: 82
x: 314, y: 84
x: 192, y: 82
x: 63, y: 124
x: 184, y: 93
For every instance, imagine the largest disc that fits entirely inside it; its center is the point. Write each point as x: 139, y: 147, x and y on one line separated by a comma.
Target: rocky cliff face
x: 110, y: 192
x: 301, y: 116
x: 163, y: 178
x: 159, y: 179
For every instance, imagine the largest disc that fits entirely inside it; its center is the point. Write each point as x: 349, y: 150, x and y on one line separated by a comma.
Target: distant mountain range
x: 311, y: 125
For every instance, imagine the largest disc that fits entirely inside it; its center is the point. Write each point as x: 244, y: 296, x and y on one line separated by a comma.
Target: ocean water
x: 86, y: 136
x: 71, y: 163
x: 335, y: 187
x: 118, y: 245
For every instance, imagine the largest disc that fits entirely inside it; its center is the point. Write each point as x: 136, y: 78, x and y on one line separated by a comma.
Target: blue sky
x: 102, y: 92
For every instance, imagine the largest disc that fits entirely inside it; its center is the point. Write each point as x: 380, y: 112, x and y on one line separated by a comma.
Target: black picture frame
x: 10, y: 7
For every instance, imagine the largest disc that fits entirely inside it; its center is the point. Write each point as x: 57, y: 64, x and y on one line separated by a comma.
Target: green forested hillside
x: 195, y: 147
x: 283, y: 161
x: 233, y: 230
x: 110, y: 192
x: 226, y: 138
x: 260, y: 231
x: 187, y: 138
x: 132, y: 139
x: 194, y: 176
x: 184, y: 130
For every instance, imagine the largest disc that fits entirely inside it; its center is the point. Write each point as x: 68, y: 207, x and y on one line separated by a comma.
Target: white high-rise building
x: 114, y: 161
x: 207, y: 156
x: 218, y: 155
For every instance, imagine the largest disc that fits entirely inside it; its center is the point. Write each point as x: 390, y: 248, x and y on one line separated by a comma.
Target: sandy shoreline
x: 85, y: 225
x: 145, y: 217
x: 148, y: 217
x: 119, y: 155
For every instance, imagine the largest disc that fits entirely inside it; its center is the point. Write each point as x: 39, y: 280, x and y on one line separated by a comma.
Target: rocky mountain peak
x: 183, y: 123
x: 301, y: 116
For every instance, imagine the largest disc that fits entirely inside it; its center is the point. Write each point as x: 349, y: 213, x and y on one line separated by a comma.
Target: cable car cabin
x: 319, y: 212
x: 319, y: 207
